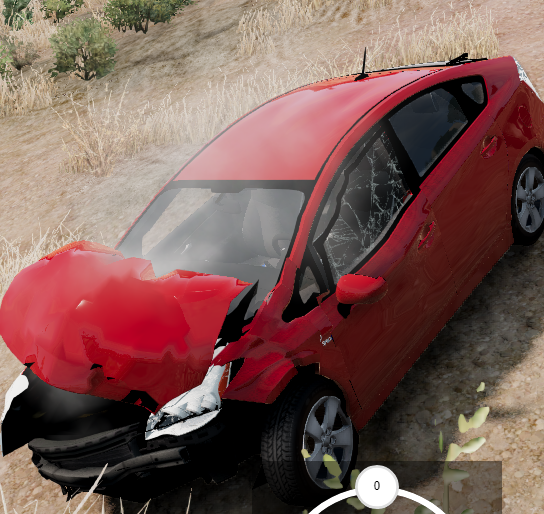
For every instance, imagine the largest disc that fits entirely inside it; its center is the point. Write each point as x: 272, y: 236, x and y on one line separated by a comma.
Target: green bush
x: 14, y: 16
x: 5, y: 61
x: 88, y: 40
x: 133, y: 13
x: 60, y: 8
x: 22, y: 54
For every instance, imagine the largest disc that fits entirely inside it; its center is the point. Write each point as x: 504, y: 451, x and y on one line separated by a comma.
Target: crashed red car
x: 279, y: 286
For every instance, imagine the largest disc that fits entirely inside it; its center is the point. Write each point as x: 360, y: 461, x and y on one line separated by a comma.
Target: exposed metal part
x: 187, y: 412
x: 19, y: 385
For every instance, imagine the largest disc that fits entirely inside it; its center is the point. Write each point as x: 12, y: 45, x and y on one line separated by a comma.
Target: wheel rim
x: 327, y: 431
x: 529, y: 199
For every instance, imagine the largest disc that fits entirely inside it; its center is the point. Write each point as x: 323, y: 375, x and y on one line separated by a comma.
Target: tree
x: 88, y: 41
x: 133, y: 13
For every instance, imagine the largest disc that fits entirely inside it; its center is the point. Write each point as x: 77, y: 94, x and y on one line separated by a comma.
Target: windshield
x: 244, y: 234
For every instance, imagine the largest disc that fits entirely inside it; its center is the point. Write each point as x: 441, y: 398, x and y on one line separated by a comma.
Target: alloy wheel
x: 328, y: 430
x: 529, y: 199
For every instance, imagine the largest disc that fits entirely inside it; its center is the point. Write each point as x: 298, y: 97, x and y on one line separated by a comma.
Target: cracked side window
x: 374, y: 194
x: 428, y: 124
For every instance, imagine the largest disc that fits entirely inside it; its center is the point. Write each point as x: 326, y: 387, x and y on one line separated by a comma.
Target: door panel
x: 472, y: 207
x: 375, y: 339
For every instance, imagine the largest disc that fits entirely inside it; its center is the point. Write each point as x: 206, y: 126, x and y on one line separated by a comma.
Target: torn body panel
x: 272, y: 350
x: 93, y: 322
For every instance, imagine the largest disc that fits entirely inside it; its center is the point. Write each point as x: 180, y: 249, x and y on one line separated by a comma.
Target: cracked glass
x: 374, y: 194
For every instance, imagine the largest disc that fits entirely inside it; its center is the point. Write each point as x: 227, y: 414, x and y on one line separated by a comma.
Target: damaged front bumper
x: 137, y: 469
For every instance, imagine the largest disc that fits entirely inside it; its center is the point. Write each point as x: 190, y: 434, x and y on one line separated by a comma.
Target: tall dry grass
x: 103, y: 139
x: 259, y: 25
x: 83, y: 502
x: 13, y: 259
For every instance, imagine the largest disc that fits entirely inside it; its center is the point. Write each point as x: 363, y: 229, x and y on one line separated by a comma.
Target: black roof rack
x: 462, y: 59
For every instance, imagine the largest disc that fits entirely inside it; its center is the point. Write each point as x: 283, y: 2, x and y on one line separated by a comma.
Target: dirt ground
x: 496, y: 336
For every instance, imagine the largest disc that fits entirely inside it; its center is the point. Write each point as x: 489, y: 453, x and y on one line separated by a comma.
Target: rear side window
x: 427, y: 125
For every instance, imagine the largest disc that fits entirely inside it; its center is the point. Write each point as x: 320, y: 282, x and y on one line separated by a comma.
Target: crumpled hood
x: 93, y: 322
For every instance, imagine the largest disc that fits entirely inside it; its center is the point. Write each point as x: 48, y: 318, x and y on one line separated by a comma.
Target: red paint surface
x: 88, y: 305
x: 350, y: 289
x: 289, y: 138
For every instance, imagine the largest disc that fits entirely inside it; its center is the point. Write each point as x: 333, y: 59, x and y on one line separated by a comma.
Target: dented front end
x: 89, y: 321
x: 106, y: 344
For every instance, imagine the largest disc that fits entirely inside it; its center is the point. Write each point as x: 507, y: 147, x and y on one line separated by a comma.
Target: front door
x: 373, y: 224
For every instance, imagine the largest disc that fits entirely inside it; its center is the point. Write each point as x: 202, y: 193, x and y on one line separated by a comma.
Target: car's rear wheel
x: 528, y: 201
x: 310, y: 415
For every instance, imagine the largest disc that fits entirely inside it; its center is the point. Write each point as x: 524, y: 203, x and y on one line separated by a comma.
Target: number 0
x: 376, y: 487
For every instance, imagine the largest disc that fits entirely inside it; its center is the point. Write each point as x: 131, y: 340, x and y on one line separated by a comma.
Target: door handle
x: 428, y: 239
x: 489, y: 146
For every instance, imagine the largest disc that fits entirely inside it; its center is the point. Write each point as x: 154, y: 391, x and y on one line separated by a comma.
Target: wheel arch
x: 536, y: 152
x: 309, y: 372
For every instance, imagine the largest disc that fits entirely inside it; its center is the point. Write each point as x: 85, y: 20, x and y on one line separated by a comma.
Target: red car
x: 279, y: 286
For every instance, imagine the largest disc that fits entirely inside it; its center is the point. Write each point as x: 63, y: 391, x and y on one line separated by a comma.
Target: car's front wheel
x: 311, y: 416
x: 528, y: 201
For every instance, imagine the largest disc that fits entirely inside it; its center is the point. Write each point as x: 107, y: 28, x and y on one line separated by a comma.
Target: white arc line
x: 347, y: 494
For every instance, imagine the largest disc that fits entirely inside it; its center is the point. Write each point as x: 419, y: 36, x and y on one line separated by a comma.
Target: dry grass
x: 104, y: 139
x: 13, y: 259
x: 445, y: 37
x: 258, y: 26
x: 79, y: 507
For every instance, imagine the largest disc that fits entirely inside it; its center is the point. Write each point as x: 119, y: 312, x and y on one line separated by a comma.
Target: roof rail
x: 462, y: 59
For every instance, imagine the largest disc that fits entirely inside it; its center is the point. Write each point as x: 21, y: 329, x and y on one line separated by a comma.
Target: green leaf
x: 453, y: 452
x: 475, y: 422
x: 355, y: 502
x: 453, y: 475
x: 333, y: 483
x: 136, y: 14
x: 331, y: 465
x: 305, y: 453
x: 441, y: 442
x: 353, y: 479
x: 468, y: 511
x: 424, y: 510
x: 87, y: 40
x: 481, y: 387
x: 473, y: 445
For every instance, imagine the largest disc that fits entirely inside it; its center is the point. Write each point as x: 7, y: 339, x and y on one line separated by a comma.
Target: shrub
x: 133, y: 13
x: 87, y: 41
x: 22, y: 54
x: 58, y: 9
x: 5, y: 62
x: 14, y: 17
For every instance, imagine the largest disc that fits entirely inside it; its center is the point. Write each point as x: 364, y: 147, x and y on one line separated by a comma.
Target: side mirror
x: 360, y: 289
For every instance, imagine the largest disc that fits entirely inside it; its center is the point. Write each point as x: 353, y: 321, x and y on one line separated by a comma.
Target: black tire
x: 523, y: 235
x: 284, y: 466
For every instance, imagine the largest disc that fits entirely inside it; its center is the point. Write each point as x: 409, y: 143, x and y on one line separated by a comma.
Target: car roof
x: 291, y: 136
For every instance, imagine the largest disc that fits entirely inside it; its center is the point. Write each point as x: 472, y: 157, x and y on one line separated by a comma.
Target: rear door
x: 468, y: 186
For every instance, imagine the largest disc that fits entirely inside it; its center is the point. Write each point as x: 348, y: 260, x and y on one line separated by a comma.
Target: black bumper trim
x: 86, y: 477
